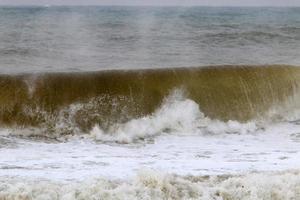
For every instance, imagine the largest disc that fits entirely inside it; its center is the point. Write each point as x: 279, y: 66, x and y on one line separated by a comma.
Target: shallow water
x: 275, y: 148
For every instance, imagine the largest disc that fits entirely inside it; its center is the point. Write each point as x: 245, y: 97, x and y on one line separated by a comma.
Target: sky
x: 156, y: 2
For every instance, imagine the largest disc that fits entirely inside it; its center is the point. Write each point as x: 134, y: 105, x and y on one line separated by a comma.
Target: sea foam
x: 152, y: 185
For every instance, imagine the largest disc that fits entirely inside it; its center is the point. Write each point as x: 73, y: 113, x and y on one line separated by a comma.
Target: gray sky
x: 156, y: 2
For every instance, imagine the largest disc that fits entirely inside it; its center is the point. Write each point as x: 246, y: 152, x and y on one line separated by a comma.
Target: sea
x: 132, y: 102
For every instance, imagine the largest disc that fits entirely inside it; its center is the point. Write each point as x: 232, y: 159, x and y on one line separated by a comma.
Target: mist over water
x: 39, y: 39
x: 214, y: 116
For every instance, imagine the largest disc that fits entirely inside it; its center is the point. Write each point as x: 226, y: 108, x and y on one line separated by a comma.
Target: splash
x: 177, y: 115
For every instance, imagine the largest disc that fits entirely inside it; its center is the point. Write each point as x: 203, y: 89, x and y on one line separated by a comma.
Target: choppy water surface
x: 94, y: 38
x: 226, y: 128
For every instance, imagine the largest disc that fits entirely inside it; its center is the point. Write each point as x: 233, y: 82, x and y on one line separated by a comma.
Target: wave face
x: 104, y: 98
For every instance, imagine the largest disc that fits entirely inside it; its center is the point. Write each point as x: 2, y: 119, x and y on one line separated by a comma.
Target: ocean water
x: 38, y: 39
x: 149, y: 103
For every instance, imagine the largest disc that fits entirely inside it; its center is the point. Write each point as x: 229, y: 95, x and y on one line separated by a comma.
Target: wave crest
x: 112, y: 104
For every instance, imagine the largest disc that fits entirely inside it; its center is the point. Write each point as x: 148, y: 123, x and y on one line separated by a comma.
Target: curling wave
x: 102, y: 102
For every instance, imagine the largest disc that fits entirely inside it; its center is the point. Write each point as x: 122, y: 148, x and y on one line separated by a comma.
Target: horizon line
x: 124, y: 5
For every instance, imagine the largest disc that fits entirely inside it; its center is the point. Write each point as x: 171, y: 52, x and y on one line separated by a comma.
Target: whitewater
x: 149, y: 103
x: 174, y: 153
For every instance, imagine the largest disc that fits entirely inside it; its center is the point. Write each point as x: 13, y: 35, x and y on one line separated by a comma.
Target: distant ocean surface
x: 152, y: 103
x: 39, y: 39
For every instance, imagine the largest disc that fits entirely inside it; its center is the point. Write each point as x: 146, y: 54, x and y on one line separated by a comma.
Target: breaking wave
x: 125, y: 106
x: 177, y: 115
